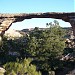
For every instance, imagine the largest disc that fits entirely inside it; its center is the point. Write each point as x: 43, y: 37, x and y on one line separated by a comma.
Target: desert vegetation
x: 37, y: 53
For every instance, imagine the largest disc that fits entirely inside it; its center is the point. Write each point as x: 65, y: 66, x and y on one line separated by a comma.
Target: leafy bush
x: 21, y: 68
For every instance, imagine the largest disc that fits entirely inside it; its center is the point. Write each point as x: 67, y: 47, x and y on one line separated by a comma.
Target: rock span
x: 6, y: 20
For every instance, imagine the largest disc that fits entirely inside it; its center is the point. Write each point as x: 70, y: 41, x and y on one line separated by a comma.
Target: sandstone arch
x: 6, y: 20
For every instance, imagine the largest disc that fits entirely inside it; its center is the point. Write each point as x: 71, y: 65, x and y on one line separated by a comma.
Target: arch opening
x: 37, y: 22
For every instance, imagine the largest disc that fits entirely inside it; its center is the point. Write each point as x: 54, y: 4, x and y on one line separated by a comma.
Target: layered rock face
x: 6, y: 20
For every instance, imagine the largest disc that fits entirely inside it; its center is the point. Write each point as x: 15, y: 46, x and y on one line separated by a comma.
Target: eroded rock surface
x: 6, y: 20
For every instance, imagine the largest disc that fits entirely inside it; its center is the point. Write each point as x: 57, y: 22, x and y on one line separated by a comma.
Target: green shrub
x: 21, y: 68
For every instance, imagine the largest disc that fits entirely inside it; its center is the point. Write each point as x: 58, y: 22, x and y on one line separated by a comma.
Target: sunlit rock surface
x: 2, y: 71
x: 12, y: 34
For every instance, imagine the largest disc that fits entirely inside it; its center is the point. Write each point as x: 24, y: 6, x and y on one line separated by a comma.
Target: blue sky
x: 30, y: 6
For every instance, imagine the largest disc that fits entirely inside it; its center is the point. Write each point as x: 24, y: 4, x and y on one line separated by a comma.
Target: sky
x: 34, y: 6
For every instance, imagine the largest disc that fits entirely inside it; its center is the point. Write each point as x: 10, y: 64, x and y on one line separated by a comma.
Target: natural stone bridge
x: 6, y: 20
